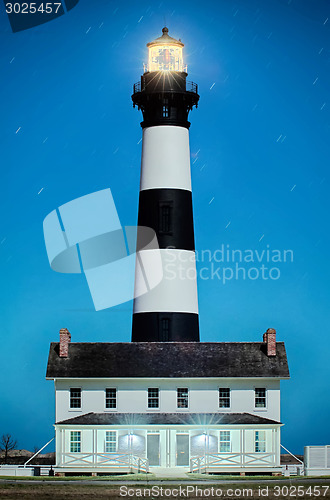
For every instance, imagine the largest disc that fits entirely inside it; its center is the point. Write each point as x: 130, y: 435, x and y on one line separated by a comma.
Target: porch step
x: 169, y: 472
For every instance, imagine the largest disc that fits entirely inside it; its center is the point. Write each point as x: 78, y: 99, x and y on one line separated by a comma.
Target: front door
x: 153, y: 453
x: 182, y: 450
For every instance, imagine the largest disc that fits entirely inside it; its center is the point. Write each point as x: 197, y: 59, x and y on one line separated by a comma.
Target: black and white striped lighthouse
x: 169, y: 312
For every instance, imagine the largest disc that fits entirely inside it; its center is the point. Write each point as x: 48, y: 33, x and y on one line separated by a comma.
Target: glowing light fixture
x: 165, y: 54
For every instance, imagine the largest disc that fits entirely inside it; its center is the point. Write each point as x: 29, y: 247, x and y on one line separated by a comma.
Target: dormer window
x: 260, y: 397
x: 224, y: 397
x: 75, y: 397
x: 153, y: 397
x: 111, y: 398
x: 182, y: 397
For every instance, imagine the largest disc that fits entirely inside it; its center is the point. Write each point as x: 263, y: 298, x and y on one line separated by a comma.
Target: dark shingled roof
x: 167, y: 419
x: 168, y: 360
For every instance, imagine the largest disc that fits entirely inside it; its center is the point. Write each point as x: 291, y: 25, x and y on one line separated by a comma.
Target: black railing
x: 136, y: 87
x: 190, y: 87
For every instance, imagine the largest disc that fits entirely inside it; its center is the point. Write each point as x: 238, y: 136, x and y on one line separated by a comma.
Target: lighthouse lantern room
x: 165, y: 54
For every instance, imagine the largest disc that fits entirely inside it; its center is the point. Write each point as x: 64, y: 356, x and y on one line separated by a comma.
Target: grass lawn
x: 303, y: 489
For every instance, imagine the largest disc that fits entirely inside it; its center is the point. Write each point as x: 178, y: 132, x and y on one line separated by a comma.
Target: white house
x: 134, y: 406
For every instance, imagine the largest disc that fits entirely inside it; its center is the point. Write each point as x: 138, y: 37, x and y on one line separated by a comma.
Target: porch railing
x: 112, y: 460
x: 223, y: 460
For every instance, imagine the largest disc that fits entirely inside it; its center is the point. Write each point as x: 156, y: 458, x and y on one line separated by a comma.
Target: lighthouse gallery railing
x: 190, y: 87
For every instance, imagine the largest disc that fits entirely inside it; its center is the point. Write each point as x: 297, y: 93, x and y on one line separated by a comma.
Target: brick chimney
x: 269, y: 338
x: 65, y: 339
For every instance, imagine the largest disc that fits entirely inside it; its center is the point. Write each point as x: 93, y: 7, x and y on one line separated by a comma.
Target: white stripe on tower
x: 165, y: 158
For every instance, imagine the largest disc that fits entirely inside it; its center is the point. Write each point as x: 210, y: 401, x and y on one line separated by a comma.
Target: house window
x: 111, y: 398
x: 165, y: 112
x: 260, y: 442
x: 165, y: 218
x: 75, y: 397
x: 225, y: 443
x: 75, y: 442
x: 224, y: 397
x: 153, y: 397
x: 164, y: 330
x: 260, y: 398
x: 110, y: 442
x: 182, y: 397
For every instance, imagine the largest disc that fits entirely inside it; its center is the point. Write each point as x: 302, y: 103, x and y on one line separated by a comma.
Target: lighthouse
x: 169, y: 312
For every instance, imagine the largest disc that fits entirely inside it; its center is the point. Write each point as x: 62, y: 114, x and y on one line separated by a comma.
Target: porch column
x: 243, y: 447
x: 208, y: 447
x: 277, y: 446
x: 93, y: 448
x: 62, y: 446
x: 167, y: 448
x: 59, y: 447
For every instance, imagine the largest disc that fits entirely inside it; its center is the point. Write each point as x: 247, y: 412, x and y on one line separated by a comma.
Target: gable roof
x: 167, y: 419
x: 167, y: 360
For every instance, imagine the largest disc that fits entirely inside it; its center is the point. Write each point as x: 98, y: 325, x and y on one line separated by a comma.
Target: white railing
x: 22, y: 470
x: 223, y: 460
x: 292, y: 470
x: 112, y: 460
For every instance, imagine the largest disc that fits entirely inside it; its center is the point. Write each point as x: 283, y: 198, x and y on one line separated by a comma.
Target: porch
x: 168, y: 441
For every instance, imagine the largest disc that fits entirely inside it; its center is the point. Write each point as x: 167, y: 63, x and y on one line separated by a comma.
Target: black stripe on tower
x: 165, y: 327
x: 169, y: 212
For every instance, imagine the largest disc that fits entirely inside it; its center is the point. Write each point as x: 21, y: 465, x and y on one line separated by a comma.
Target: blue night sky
x: 260, y: 159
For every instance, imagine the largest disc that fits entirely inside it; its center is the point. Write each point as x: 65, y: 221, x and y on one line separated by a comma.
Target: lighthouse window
x: 165, y: 112
x: 182, y: 397
x: 153, y: 397
x: 164, y: 334
x: 165, y: 219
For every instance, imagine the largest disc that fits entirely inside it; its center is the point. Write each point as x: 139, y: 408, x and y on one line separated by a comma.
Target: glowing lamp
x: 165, y: 54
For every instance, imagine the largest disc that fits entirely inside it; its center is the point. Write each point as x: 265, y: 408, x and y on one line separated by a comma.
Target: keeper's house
x: 209, y: 407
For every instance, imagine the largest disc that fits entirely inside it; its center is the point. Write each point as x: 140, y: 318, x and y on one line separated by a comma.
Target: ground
x: 226, y: 489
